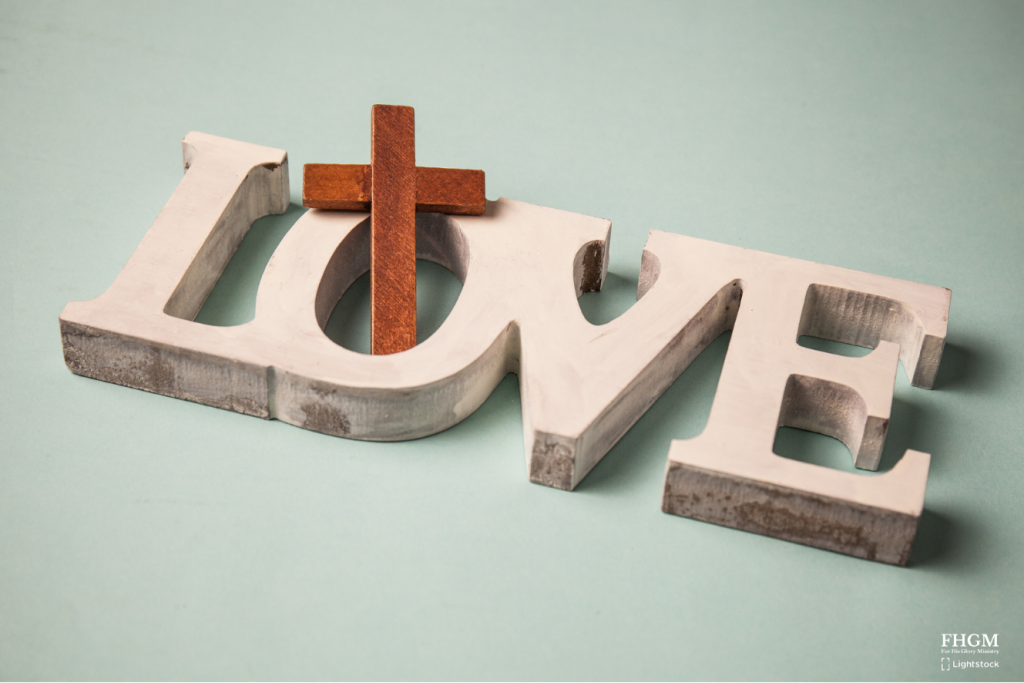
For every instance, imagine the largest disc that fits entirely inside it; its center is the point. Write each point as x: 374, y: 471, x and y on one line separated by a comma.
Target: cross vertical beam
x: 393, y: 230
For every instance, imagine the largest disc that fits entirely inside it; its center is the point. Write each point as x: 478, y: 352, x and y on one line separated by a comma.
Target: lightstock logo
x: 981, y: 648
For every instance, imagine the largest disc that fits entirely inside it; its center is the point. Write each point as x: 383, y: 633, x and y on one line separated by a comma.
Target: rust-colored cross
x: 393, y: 189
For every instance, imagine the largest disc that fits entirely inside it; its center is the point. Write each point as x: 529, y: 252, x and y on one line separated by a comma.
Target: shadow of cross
x: 392, y: 188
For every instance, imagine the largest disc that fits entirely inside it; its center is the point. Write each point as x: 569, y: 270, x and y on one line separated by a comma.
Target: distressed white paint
x: 522, y: 267
x: 729, y: 475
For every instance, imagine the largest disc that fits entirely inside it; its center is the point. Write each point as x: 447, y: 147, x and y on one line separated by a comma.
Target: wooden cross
x: 393, y: 189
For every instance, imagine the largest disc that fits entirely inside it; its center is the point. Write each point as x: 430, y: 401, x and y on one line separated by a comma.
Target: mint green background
x: 146, y: 537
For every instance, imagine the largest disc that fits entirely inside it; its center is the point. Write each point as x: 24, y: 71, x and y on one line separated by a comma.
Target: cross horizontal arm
x: 346, y: 187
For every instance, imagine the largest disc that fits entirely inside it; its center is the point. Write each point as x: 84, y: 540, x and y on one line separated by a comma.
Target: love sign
x: 582, y: 385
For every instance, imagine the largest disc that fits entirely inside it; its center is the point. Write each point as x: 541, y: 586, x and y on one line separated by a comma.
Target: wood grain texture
x: 455, y: 191
x: 393, y: 230
x: 346, y: 187
x: 339, y: 187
